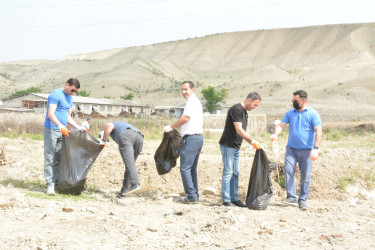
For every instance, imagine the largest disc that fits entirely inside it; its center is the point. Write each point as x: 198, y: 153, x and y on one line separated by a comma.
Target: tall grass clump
x: 26, y: 125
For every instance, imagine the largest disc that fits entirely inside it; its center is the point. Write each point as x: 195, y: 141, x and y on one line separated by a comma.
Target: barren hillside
x: 335, y: 64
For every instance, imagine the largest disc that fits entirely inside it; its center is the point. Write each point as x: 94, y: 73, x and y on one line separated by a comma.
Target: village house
x: 38, y: 103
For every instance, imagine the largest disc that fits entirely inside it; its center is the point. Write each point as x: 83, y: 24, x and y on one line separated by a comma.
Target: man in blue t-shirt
x: 130, y: 143
x: 59, y: 106
x: 305, y: 134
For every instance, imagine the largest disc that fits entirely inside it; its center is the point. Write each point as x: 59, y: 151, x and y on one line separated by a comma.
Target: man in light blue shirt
x: 59, y: 108
x: 305, y: 134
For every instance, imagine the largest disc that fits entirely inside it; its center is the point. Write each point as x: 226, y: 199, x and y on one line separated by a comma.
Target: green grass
x: 58, y: 196
x: 359, y: 174
x: 13, y: 135
x: 281, y: 181
x: 86, y: 195
x: 22, y: 183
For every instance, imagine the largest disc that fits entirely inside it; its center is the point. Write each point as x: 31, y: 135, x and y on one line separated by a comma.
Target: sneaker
x: 130, y: 190
x: 238, y: 203
x: 290, y: 201
x: 51, y: 189
x: 302, y: 206
x: 187, y: 201
x: 228, y: 204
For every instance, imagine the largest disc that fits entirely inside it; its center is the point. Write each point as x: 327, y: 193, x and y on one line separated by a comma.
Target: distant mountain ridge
x: 335, y: 64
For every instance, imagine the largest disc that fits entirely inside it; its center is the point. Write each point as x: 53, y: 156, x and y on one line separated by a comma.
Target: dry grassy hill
x: 335, y: 64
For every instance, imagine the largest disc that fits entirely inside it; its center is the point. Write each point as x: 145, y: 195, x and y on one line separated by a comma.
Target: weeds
x: 359, y: 174
x: 58, y: 196
x: 35, y: 185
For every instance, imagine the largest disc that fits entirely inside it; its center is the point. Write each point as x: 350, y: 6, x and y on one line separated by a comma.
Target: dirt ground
x: 153, y: 219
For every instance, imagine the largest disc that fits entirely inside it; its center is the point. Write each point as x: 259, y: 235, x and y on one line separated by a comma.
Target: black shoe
x: 228, y: 204
x: 239, y: 203
x: 187, y: 201
x: 129, y: 190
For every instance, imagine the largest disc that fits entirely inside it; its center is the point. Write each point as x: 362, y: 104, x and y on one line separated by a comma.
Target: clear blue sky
x: 51, y: 29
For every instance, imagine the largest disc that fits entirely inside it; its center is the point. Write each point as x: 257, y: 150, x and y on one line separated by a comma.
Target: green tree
x: 213, y: 97
x: 83, y: 93
x: 24, y: 92
x: 127, y: 97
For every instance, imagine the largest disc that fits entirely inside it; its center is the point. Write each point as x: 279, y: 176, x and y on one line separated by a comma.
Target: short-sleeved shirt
x: 193, y: 109
x: 230, y: 138
x: 301, y: 127
x: 119, y: 127
x: 64, y: 102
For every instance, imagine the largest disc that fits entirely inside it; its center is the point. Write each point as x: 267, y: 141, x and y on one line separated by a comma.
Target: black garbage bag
x: 78, y: 153
x: 167, y: 153
x: 260, y: 188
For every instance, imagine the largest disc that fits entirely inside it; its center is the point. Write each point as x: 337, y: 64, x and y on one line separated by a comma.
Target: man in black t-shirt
x: 230, y: 144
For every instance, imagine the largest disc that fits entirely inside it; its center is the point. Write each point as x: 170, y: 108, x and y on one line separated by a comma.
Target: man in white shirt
x: 86, y: 124
x: 191, y: 123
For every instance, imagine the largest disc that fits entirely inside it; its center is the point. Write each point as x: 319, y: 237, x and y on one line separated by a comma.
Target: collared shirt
x: 193, y: 109
x: 301, y: 127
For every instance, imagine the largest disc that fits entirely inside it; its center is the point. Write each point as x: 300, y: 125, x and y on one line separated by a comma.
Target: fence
x: 216, y: 122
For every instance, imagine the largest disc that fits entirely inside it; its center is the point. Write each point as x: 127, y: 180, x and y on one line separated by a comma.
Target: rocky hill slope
x: 335, y: 64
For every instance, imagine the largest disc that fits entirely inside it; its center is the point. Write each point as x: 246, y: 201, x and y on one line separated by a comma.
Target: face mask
x: 296, y: 105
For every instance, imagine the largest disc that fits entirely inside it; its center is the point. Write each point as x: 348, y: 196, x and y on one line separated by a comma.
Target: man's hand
x: 314, y: 154
x: 102, y: 143
x: 64, y: 130
x: 273, y: 137
x: 167, y: 128
x: 255, y: 144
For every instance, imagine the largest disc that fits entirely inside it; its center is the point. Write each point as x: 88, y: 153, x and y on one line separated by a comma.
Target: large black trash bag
x: 168, y: 151
x: 260, y: 189
x: 78, y: 153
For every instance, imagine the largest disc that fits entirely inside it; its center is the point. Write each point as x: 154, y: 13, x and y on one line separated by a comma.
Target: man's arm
x: 51, y: 115
x: 71, y: 121
x: 279, y: 127
x: 318, y: 135
x: 181, y: 121
x: 108, y: 130
x: 241, y: 132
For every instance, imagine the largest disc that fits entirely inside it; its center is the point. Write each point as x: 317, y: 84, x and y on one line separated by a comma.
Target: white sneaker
x: 51, y: 189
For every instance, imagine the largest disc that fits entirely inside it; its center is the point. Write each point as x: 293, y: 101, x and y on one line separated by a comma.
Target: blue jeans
x: 231, y: 171
x: 190, y: 149
x: 52, y: 155
x: 302, y: 157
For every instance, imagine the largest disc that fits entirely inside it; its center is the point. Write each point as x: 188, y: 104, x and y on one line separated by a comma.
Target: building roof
x: 89, y: 100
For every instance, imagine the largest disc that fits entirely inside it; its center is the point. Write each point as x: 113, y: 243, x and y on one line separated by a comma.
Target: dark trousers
x: 130, y: 145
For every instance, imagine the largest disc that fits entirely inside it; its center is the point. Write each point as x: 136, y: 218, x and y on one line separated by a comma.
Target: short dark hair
x: 74, y: 82
x: 254, y: 96
x: 301, y: 93
x: 191, y: 84
x: 88, y: 119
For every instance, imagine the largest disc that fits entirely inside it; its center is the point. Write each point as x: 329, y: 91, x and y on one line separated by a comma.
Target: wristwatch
x: 316, y: 147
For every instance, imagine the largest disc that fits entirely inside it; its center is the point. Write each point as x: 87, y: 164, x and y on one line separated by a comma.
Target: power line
x: 153, y: 19
x: 81, y: 5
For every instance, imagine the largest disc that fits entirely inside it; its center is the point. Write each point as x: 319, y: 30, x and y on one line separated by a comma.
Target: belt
x: 185, y: 136
x: 137, y: 131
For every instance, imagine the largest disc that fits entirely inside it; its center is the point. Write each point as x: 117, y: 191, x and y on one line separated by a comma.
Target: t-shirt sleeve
x: 316, y: 121
x: 237, y: 115
x: 53, y: 98
x: 285, y: 118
